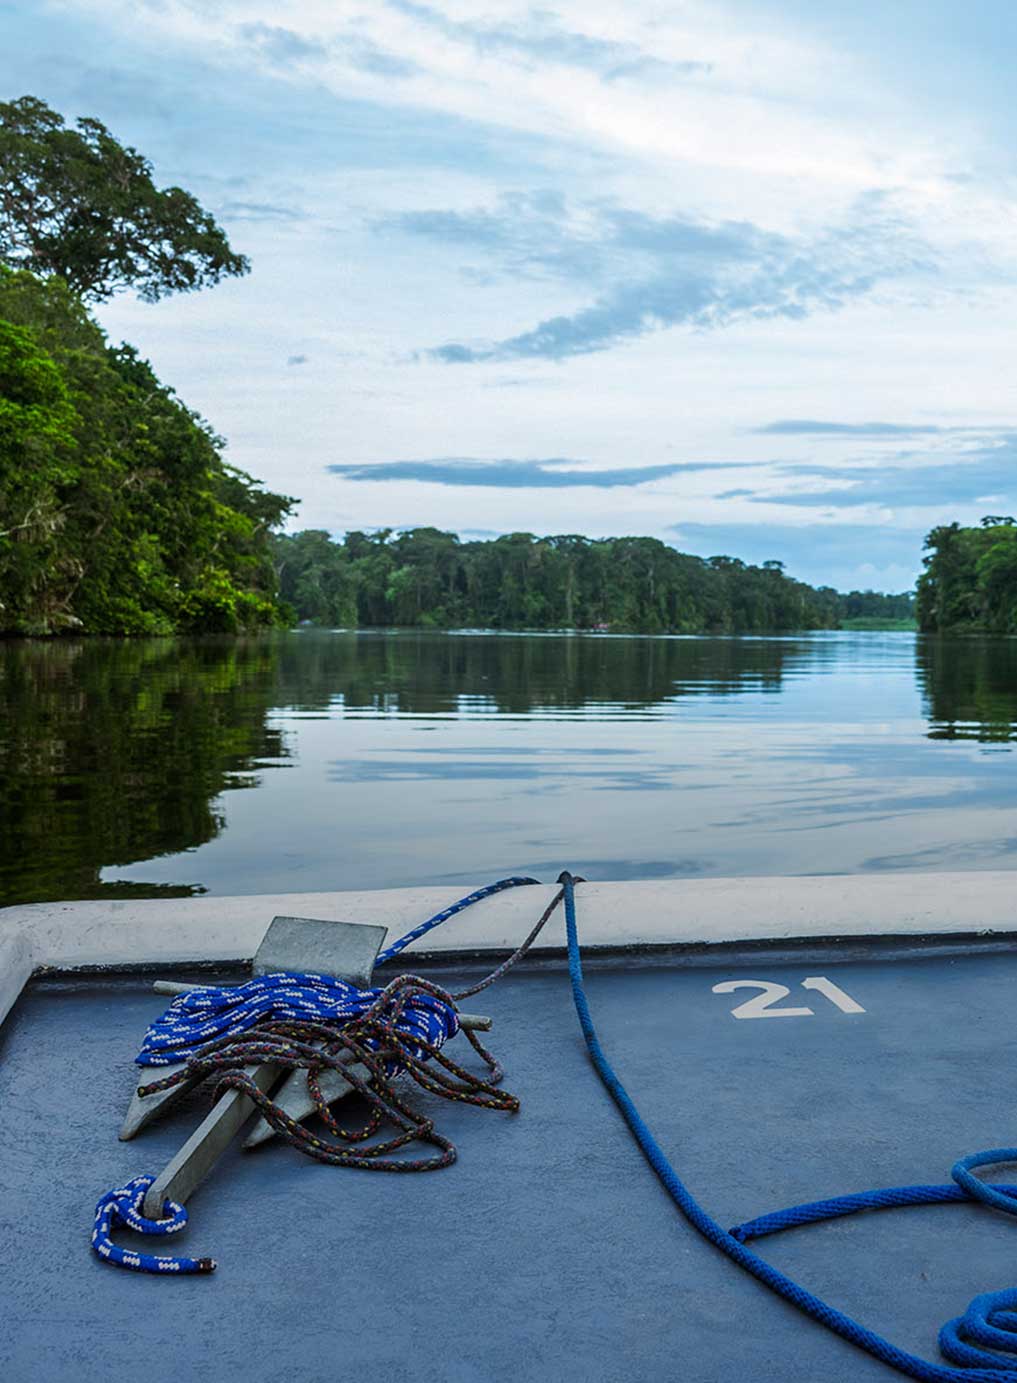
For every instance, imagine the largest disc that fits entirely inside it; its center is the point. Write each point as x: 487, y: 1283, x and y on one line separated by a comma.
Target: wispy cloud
x: 540, y: 37
x: 286, y: 48
x: 812, y: 427
x: 260, y: 211
x: 659, y: 272
x: 985, y: 475
x: 281, y: 45
x: 541, y: 234
x: 558, y: 473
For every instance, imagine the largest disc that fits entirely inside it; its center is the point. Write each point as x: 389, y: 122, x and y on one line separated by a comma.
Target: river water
x: 329, y: 760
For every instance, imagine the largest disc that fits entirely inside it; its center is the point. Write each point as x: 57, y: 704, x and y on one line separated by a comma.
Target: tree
x: 77, y: 203
x: 970, y: 578
x: 118, y: 514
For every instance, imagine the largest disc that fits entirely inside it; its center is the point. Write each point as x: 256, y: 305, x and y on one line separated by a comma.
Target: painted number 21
x: 764, y: 1004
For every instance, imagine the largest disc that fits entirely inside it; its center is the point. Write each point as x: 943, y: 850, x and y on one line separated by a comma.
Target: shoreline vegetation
x: 426, y: 578
x: 119, y: 514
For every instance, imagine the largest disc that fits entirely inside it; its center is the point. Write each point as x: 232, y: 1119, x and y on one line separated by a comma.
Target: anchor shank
x: 188, y: 1169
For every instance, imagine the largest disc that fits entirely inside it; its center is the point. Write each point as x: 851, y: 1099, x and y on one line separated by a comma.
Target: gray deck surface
x: 549, y: 1251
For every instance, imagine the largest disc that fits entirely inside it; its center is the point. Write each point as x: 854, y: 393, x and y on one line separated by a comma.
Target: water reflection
x: 424, y: 674
x: 970, y: 688
x: 423, y: 757
x: 117, y: 751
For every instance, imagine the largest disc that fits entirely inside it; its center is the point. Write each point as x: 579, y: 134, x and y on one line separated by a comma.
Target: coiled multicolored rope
x: 316, y: 1023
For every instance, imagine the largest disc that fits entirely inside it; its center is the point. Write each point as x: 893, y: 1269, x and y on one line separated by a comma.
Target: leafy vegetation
x: 427, y: 578
x: 970, y: 578
x: 117, y: 512
x: 77, y: 203
x: 875, y: 610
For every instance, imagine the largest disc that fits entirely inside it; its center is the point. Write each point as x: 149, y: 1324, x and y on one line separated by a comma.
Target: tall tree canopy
x: 77, y: 203
x: 970, y: 577
x: 117, y: 512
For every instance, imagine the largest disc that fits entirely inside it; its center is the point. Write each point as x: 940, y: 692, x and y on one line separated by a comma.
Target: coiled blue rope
x: 990, y: 1320
x: 210, y: 1012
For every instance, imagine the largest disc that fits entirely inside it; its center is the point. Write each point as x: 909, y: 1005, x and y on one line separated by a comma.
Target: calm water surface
x: 319, y: 760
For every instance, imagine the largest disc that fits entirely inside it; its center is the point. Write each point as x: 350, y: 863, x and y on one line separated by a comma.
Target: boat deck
x: 549, y: 1251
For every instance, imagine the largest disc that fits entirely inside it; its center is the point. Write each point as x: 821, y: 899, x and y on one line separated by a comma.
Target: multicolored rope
x: 209, y: 1013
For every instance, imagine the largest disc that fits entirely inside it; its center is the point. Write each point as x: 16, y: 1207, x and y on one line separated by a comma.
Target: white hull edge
x: 178, y: 931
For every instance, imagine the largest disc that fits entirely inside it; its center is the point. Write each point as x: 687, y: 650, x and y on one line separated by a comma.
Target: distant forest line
x: 424, y: 577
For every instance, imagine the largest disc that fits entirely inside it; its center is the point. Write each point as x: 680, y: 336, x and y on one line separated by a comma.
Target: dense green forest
x: 117, y: 511
x: 970, y: 578
x: 425, y: 577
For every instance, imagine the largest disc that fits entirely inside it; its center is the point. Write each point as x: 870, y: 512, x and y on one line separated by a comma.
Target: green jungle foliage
x: 878, y: 623
x: 970, y: 578
x: 77, y: 203
x: 117, y: 512
x: 424, y: 577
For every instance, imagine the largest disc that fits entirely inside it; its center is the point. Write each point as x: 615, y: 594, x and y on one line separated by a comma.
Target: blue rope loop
x: 999, y: 1197
x: 990, y: 1320
x: 121, y: 1207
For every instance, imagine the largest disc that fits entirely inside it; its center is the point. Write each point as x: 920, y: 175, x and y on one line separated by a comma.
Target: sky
x: 738, y: 274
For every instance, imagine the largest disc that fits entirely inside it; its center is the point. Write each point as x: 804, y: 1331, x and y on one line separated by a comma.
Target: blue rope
x: 439, y: 917
x: 123, y: 1207
x: 209, y: 1012
x: 212, y: 1013
x: 990, y: 1320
